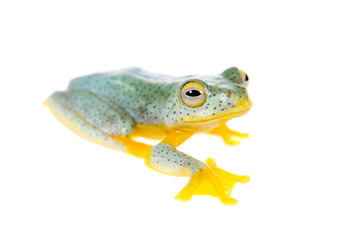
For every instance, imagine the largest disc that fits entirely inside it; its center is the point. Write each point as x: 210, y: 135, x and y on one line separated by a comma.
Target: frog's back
x: 142, y: 94
x: 123, y: 76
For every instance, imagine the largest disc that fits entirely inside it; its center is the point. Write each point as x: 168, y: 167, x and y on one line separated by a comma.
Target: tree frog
x: 112, y: 108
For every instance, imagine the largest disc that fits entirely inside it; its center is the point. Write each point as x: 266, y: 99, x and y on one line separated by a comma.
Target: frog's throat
x: 242, y: 106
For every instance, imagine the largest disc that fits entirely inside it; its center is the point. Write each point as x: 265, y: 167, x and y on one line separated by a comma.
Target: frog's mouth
x: 241, y: 108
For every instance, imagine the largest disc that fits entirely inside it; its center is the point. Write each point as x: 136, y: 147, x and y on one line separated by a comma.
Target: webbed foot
x: 213, y: 181
x: 229, y: 136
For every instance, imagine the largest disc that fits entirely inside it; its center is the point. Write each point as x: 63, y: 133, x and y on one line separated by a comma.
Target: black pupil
x: 246, y: 77
x: 193, y: 93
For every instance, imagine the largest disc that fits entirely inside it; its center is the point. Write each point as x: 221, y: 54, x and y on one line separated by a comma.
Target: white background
x: 303, y: 59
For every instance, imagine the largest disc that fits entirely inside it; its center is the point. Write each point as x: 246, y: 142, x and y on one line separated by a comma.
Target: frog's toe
x: 243, y: 179
x: 183, y: 197
x: 240, y: 135
x: 229, y: 201
x: 188, y: 191
x: 231, y: 137
x: 231, y: 142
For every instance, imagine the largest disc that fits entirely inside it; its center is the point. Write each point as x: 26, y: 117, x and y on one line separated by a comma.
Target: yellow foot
x: 212, y: 181
x: 228, y: 135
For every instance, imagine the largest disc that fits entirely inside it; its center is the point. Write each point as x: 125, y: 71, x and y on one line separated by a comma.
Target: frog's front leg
x: 229, y: 136
x: 205, y: 178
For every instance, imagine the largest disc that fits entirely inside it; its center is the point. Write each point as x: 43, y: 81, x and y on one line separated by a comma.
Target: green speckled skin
x: 107, y: 107
x: 152, y: 99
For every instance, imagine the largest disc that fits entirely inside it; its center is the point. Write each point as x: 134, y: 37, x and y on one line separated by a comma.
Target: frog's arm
x: 205, y: 178
x: 229, y: 136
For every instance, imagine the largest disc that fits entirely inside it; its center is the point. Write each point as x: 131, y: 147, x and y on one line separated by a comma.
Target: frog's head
x: 203, y: 100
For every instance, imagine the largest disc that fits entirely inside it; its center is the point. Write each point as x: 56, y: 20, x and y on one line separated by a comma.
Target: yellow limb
x: 174, y: 139
x: 228, y: 135
x: 212, y: 181
x: 177, y: 137
x: 137, y: 149
x: 157, y: 132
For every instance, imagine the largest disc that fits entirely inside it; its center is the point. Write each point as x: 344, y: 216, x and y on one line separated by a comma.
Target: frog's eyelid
x: 236, y: 75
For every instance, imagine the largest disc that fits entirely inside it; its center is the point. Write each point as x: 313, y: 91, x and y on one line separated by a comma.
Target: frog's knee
x: 166, y: 159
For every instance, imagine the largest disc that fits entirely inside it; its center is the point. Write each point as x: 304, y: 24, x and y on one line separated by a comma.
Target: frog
x: 116, y: 108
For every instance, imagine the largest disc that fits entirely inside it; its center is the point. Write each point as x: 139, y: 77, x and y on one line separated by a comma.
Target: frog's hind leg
x: 205, y: 178
x: 76, y: 114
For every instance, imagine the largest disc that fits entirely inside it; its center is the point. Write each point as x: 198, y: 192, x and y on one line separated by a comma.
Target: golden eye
x: 193, y: 94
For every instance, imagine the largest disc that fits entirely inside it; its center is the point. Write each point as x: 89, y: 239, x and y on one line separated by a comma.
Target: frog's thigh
x: 74, y: 122
x: 107, y: 116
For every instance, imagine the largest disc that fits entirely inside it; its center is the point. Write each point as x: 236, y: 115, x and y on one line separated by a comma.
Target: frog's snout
x: 245, y: 103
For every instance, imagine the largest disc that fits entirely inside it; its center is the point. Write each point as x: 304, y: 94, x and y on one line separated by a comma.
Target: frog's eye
x: 246, y: 83
x: 193, y: 94
x: 246, y: 77
x: 237, y: 76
